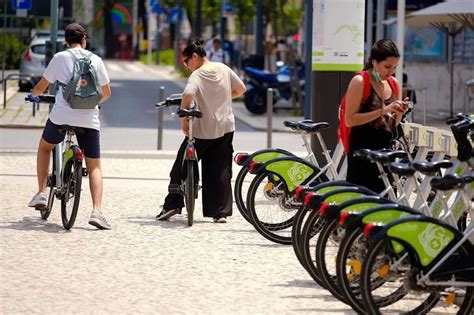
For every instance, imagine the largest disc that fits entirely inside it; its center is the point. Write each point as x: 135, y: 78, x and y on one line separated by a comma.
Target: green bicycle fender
x: 360, y: 207
x: 427, y: 239
x: 342, y: 197
x: 386, y: 216
x: 292, y: 172
x: 267, y: 156
x: 327, y: 189
x: 69, y: 154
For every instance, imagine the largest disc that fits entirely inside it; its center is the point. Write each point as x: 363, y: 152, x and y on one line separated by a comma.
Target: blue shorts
x: 89, y: 140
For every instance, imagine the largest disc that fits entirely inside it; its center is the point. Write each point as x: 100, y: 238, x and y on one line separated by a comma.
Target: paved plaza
x: 142, y: 265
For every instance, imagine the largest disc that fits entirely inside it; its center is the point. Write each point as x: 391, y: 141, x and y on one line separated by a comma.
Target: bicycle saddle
x: 294, y: 124
x: 449, y: 182
x: 401, y: 169
x: 65, y: 128
x: 312, y: 127
x: 385, y: 157
x: 430, y: 168
x: 189, y: 112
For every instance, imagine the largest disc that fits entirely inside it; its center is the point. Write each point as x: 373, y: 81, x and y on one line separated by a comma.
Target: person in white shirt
x: 212, y: 86
x: 60, y: 69
x: 217, y: 54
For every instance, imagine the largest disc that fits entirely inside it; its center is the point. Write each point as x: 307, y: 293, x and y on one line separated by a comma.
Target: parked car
x: 33, y: 60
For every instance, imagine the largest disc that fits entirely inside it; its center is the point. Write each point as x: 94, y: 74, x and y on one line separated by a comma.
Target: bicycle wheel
x: 241, y: 187
x: 298, y: 224
x: 190, y: 190
x: 329, y: 240
x: 309, y: 235
x: 352, y: 250
x: 72, y: 193
x: 387, y: 289
x: 270, y: 208
x: 49, y: 206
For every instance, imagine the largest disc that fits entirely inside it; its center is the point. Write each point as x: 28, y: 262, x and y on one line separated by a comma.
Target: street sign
x: 21, y: 4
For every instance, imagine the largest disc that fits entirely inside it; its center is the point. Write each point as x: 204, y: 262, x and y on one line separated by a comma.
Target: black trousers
x: 216, y: 164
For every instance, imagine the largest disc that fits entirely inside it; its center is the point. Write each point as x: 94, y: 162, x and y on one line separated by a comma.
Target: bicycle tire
x: 73, y: 182
x: 49, y: 206
x: 239, y: 193
x: 267, y: 229
x: 311, y: 229
x: 190, y: 191
x: 298, y: 223
x: 324, y: 238
x: 373, y: 304
x: 349, y: 282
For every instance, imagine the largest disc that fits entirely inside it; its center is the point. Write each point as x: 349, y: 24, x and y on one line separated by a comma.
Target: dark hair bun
x: 199, y: 42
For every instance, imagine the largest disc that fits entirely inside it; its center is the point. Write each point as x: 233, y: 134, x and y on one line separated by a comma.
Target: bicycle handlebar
x: 45, y: 98
x: 172, y: 100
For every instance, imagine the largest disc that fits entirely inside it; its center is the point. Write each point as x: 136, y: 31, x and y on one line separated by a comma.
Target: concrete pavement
x: 142, y: 265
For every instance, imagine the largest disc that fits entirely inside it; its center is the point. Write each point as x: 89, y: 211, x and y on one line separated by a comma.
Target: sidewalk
x: 142, y: 265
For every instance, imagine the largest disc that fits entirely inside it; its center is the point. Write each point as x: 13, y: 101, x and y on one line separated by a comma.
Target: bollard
x: 160, y: 119
x: 269, y: 116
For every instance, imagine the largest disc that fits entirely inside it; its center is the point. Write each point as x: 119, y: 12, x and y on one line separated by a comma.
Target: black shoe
x: 220, y: 220
x: 166, y: 214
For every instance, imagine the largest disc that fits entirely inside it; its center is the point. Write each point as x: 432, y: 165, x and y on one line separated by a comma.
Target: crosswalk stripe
x: 112, y: 66
x: 133, y: 67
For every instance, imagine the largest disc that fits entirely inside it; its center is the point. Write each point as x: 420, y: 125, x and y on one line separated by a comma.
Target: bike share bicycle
x: 189, y: 186
x: 65, y: 180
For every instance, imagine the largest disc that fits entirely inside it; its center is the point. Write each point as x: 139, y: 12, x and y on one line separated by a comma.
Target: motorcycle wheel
x: 256, y: 101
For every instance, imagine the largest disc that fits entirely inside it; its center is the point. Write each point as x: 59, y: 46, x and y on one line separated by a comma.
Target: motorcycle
x: 258, y: 81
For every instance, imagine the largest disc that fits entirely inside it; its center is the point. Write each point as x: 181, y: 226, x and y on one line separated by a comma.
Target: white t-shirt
x: 211, y: 89
x: 217, y: 55
x: 60, y: 69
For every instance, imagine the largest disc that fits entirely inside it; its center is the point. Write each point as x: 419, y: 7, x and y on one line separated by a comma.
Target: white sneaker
x: 99, y: 221
x: 39, y: 201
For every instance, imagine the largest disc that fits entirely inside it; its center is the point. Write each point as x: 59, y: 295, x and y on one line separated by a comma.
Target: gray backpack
x: 83, y: 90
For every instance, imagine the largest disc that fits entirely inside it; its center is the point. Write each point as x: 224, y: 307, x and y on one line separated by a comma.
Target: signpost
x: 338, y: 52
x: 21, y: 5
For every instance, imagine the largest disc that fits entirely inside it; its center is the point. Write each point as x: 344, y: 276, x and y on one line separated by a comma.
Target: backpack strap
x: 367, y: 86
x: 393, y: 85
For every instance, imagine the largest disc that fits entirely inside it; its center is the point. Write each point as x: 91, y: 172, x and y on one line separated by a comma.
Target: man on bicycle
x: 61, y: 69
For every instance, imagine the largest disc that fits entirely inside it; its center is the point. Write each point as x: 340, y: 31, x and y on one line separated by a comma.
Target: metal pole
x: 4, y: 44
x: 158, y: 39
x: 160, y: 119
x: 148, y: 26
x: 379, y: 30
x: 269, y: 116
x: 451, y: 73
x: 308, y: 57
x: 369, y: 26
x: 400, y: 41
x: 223, y: 20
x: 4, y: 94
x: 197, y: 28
x: 259, y: 28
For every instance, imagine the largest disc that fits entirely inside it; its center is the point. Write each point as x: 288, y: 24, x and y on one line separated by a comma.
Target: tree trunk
x: 109, y: 29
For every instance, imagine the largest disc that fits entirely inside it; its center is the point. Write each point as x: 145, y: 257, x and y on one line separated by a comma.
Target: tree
x: 109, y: 28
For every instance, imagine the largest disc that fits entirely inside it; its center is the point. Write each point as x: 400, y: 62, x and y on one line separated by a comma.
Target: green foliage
x: 166, y: 57
x: 13, y: 50
x: 245, y: 12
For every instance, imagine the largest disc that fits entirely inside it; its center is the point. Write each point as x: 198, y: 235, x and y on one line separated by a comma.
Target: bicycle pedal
x: 84, y: 172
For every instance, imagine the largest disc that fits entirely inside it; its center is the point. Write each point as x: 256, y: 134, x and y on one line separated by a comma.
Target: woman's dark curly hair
x: 196, y: 47
x: 380, y: 51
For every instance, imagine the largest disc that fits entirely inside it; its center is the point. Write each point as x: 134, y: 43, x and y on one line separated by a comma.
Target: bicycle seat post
x: 308, y: 148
